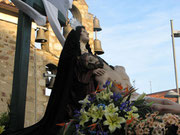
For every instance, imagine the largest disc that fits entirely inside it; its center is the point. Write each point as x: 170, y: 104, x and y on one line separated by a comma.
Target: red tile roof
x: 162, y: 94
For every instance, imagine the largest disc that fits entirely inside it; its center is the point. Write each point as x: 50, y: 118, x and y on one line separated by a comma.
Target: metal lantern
x: 97, y: 47
x: 66, y: 30
x: 96, y: 24
x: 40, y: 36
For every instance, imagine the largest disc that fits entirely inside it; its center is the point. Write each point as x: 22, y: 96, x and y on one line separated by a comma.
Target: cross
x: 19, y: 88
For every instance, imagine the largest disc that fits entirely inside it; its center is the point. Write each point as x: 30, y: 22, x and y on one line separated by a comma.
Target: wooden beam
x: 38, y: 5
x: 21, y: 63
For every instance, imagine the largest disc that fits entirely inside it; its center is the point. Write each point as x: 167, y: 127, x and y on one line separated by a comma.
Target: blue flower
x: 92, y: 132
x: 104, y: 86
x: 127, y: 109
x: 126, y: 106
x: 103, y: 105
x: 123, y: 106
x: 107, y: 83
x: 116, y: 97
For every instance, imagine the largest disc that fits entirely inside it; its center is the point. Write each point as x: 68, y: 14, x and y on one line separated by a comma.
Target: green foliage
x: 2, y: 128
x: 4, y: 119
x: 68, y: 129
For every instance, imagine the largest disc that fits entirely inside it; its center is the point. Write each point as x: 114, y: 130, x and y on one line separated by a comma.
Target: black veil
x: 56, y: 109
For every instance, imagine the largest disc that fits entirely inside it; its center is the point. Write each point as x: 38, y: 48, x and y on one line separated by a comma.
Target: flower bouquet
x: 109, y: 113
x: 155, y: 124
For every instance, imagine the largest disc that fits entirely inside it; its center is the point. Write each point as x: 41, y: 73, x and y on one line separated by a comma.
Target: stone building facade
x: 36, y: 100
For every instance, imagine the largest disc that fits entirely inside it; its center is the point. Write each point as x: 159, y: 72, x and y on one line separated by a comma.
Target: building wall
x: 161, y: 95
x: 54, y: 46
x: 36, y: 101
x: 7, y: 49
x: 38, y: 59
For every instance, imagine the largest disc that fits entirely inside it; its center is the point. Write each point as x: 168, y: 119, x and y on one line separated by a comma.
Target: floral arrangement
x: 155, y: 124
x: 108, y: 113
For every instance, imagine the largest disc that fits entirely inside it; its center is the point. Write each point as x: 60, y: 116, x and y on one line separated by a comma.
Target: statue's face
x: 92, y: 60
x: 84, y: 37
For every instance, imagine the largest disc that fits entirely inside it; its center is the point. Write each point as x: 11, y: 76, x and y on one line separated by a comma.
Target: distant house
x: 161, y: 94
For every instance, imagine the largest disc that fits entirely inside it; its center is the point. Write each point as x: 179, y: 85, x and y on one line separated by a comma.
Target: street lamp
x: 175, y: 34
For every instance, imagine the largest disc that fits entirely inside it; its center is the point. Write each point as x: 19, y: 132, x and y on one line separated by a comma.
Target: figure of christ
x: 118, y: 75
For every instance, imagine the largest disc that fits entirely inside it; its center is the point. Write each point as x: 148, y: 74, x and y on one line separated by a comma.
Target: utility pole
x: 174, y: 57
x: 134, y: 83
x: 150, y: 86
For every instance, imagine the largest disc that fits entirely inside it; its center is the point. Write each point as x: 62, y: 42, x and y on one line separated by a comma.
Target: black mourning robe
x: 70, y: 86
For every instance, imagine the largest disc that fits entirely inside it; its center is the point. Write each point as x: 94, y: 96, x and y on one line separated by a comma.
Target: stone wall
x: 7, y: 49
x: 37, y: 61
x: 54, y: 46
x: 36, y: 99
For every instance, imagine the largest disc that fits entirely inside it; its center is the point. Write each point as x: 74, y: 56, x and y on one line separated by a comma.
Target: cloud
x: 137, y: 35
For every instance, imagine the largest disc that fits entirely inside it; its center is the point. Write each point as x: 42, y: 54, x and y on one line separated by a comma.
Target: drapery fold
x: 31, y: 12
x: 51, y: 8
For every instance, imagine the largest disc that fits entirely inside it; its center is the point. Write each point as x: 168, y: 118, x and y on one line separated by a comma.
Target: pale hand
x: 98, y: 71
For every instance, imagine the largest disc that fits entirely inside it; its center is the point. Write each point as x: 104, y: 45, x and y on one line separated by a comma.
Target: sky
x: 136, y: 34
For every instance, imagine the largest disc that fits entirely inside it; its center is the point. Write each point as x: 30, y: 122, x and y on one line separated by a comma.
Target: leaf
x: 4, y: 119
x: 128, y: 97
x: 70, y: 128
x: 141, y: 96
x: 150, y: 104
x: 138, y: 102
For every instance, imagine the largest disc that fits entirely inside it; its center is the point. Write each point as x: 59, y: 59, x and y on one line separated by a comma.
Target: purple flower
x: 101, y: 133
x: 77, y: 113
x: 77, y: 126
x: 92, y: 132
x: 91, y: 98
x: 127, y: 109
x: 123, y: 106
x: 126, y: 106
x: 106, y: 84
x: 116, y: 97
